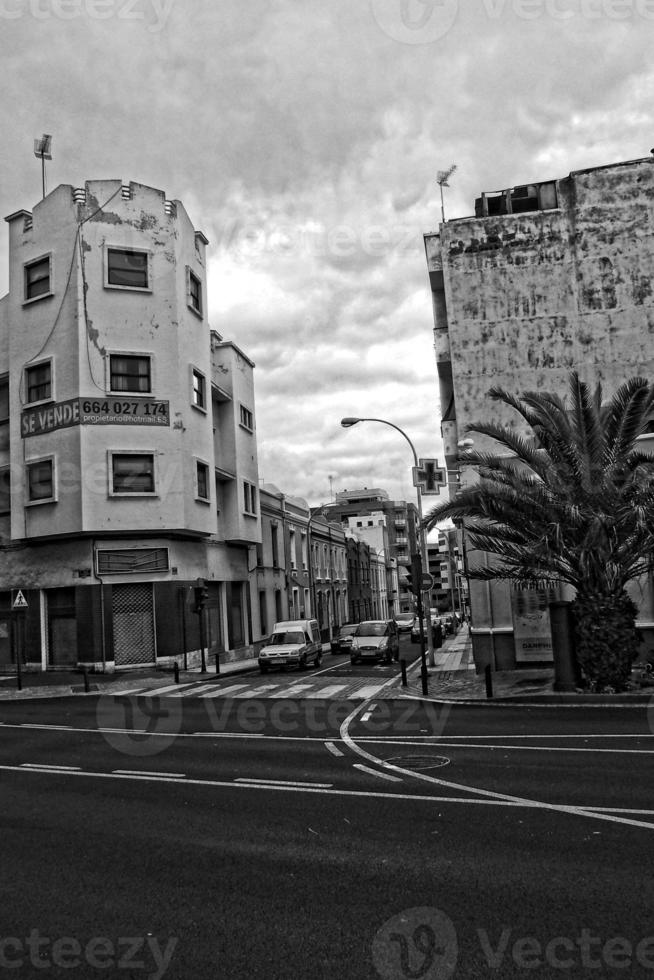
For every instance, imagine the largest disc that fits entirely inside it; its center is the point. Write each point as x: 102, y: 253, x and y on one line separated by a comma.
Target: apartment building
x: 389, y: 526
x: 128, y: 455
x: 544, y: 278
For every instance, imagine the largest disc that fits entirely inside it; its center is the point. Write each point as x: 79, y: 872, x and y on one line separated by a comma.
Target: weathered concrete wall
x: 532, y: 296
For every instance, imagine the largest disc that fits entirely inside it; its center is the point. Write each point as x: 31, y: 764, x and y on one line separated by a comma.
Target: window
x: 37, y: 279
x: 132, y: 472
x: 199, y: 390
x: 292, y: 547
x: 4, y: 412
x: 274, y: 544
x: 5, y: 490
x: 40, y: 481
x: 127, y: 268
x: 194, y: 287
x: 202, y: 480
x: 130, y: 372
x: 249, y: 498
x: 39, y: 382
x: 246, y: 418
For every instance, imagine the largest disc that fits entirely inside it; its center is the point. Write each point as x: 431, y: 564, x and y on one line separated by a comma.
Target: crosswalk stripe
x: 327, y: 692
x: 151, y: 692
x: 220, y: 691
x: 255, y: 691
x: 368, y: 692
x: 288, y: 692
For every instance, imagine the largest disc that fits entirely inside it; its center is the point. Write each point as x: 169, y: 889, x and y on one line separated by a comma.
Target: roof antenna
x: 42, y: 150
x: 442, y: 179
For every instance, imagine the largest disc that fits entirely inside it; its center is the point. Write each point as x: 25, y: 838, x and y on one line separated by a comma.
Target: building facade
x: 128, y: 456
x: 545, y: 278
x: 389, y: 527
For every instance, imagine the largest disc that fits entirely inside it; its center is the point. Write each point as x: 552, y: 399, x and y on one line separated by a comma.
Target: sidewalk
x: 454, y: 678
x: 53, y: 684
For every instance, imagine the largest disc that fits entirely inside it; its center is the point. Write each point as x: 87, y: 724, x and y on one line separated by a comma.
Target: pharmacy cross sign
x: 429, y: 476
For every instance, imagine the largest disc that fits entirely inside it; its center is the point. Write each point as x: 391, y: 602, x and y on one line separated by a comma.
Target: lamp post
x: 419, y: 560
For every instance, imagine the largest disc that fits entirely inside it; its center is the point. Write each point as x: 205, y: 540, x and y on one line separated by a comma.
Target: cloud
x: 304, y: 140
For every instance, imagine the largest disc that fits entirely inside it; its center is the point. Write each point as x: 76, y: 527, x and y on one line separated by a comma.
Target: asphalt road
x: 384, y: 838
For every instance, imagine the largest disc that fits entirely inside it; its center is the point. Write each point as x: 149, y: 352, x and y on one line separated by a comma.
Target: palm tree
x: 572, y: 503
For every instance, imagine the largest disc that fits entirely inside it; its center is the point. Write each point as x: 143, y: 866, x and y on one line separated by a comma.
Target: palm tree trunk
x: 606, y: 639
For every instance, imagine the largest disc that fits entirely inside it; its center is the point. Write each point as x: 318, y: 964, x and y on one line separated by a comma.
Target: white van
x: 293, y: 643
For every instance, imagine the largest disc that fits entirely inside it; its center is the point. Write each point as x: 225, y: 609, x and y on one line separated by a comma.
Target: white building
x: 128, y: 455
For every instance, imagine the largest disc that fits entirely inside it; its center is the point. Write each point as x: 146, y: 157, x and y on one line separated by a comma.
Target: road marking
x: 225, y: 690
x: 488, y: 794
x: 369, y: 690
x: 332, y: 748
x: 43, y: 765
x: 199, y: 690
x: 368, y: 713
x: 536, y: 748
x: 254, y: 691
x: 154, y: 692
x: 329, y: 791
x: 327, y: 692
x: 292, y: 690
x: 376, y: 772
x: 147, y: 772
x: 282, y: 782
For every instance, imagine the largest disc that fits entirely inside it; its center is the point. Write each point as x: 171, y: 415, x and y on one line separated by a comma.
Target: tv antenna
x: 442, y: 178
x: 42, y: 150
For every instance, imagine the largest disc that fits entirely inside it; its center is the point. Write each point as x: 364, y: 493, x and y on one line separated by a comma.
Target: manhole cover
x: 419, y: 761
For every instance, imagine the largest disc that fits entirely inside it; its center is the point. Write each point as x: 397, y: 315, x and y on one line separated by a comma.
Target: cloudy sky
x: 304, y: 138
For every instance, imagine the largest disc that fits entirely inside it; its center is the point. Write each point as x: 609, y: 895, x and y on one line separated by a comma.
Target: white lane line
x: 332, y: 748
x: 368, y: 691
x: 376, y: 772
x: 282, y: 782
x: 57, y: 728
x: 488, y: 794
x: 535, y: 748
x: 147, y: 772
x: 327, y: 692
x: 317, y: 788
x: 549, y: 735
x: 225, y: 690
x: 366, y: 716
x: 290, y: 691
x: 42, y: 765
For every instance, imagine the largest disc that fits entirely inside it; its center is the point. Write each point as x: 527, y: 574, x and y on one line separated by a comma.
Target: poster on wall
x: 532, y: 633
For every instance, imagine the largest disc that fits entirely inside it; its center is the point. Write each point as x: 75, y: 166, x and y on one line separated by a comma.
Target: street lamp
x: 419, y: 560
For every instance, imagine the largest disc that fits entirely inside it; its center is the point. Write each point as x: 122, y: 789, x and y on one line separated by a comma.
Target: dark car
x: 342, y: 640
x: 376, y: 639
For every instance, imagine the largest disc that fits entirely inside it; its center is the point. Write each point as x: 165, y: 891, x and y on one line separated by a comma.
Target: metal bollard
x: 176, y: 672
x: 489, y: 681
x: 403, y: 669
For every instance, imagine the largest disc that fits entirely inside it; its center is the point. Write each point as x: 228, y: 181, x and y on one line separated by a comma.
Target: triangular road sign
x: 20, y: 602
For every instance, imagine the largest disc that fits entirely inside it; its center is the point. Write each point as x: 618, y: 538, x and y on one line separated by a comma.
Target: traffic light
x: 201, y: 595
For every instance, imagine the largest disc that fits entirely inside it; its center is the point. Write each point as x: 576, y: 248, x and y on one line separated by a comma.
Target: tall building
x: 389, y: 526
x: 544, y: 278
x: 128, y: 455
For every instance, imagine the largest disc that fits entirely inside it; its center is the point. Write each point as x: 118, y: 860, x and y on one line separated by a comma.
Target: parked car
x: 405, y: 621
x: 342, y: 640
x: 415, y: 631
x: 376, y: 639
x: 294, y: 642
